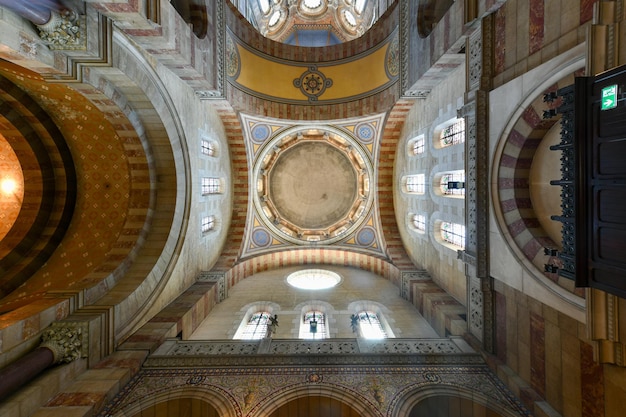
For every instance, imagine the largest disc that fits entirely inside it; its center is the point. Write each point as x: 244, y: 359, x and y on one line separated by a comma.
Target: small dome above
x: 315, y: 23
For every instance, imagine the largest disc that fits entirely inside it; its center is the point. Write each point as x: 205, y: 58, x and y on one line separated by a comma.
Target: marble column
x: 62, y: 342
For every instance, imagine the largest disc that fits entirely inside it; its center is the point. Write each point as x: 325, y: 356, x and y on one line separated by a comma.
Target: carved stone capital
x: 64, y: 31
x: 68, y: 341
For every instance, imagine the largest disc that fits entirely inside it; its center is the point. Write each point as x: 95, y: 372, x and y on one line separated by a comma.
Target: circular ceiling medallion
x: 313, y: 185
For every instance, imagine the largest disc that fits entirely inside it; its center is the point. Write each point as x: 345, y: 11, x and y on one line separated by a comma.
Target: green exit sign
x: 609, y: 97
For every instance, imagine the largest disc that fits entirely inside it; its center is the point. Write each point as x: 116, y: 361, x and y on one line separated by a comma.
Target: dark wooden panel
x: 600, y: 141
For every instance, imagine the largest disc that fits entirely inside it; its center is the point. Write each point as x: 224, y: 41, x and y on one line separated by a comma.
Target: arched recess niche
x: 437, y: 400
x: 517, y: 184
x: 340, y: 399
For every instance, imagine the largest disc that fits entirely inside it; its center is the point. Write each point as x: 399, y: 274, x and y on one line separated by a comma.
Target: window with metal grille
x: 208, y: 223
x: 207, y: 147
x: 211, y: 185
x: 453, y: 134
x: 415, y: 184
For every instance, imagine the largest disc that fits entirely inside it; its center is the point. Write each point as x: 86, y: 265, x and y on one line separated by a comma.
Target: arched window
x: 265, y: 6
x: 453, y: 234
x: 256, y: 328
x: 418, y: 221
x: 313, y: 325
x: 415, y: 184
x: 453, y: 183
x: 453, y: 134
x: 370, y: 326
x: 416, y: 146
x: 359, y: 6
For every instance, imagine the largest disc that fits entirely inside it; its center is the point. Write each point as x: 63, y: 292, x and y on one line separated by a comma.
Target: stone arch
x: 316, y: 256
x: 356, y: 401
x: 215, y: 397
x: 404, y: 403
x: 512, y: 201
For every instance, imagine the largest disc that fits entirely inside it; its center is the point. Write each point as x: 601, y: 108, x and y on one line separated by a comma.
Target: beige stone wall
x: 357, y: 288
x: 426, y: 250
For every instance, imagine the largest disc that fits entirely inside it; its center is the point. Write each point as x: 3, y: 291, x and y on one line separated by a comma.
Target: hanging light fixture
x: 313, y: 325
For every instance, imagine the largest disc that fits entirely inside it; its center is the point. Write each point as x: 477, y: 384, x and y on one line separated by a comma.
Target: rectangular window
x: 417, y: 147
x: 208, y: 223
x: 416, y: 184
x: 419, y: 222
x: 211, y: 185
x: 207, y: 148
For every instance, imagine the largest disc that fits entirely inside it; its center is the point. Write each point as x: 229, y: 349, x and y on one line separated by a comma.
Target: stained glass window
x: 458, y: 178
x: 370, y: 326
x: 256, y: 327
x: 453, y: 233
x: 416, y: 184
x: 453, y: 134
x: 319, y: 325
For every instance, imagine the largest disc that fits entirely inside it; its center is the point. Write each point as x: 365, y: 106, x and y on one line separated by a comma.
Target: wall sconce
x: 313, y: 326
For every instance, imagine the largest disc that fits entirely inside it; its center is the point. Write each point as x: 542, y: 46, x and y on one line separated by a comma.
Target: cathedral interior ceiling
x: 104, y: 167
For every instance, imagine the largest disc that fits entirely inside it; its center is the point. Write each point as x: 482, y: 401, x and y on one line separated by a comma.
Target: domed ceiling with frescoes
x: 312, y: 185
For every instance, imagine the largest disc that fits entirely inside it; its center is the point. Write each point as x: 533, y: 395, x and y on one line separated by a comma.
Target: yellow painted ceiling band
x: 276, y: 79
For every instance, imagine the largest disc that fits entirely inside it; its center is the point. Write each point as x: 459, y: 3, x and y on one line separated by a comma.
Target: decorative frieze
x: 475, y: 306
x: 258, y: 391
x: 408, y: 276
x: 219, y: 278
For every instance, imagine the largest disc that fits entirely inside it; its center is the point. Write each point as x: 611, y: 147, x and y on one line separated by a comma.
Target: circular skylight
x: 313, y: 279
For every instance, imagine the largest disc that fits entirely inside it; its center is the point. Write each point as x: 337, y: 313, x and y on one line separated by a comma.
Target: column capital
x: 64, y: 31
x: 68, y: 341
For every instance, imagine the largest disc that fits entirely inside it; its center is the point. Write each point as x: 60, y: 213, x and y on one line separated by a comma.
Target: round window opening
x: 313, y: 279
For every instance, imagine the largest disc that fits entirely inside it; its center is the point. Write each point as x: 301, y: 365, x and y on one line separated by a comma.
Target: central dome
x: 313, y: 185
